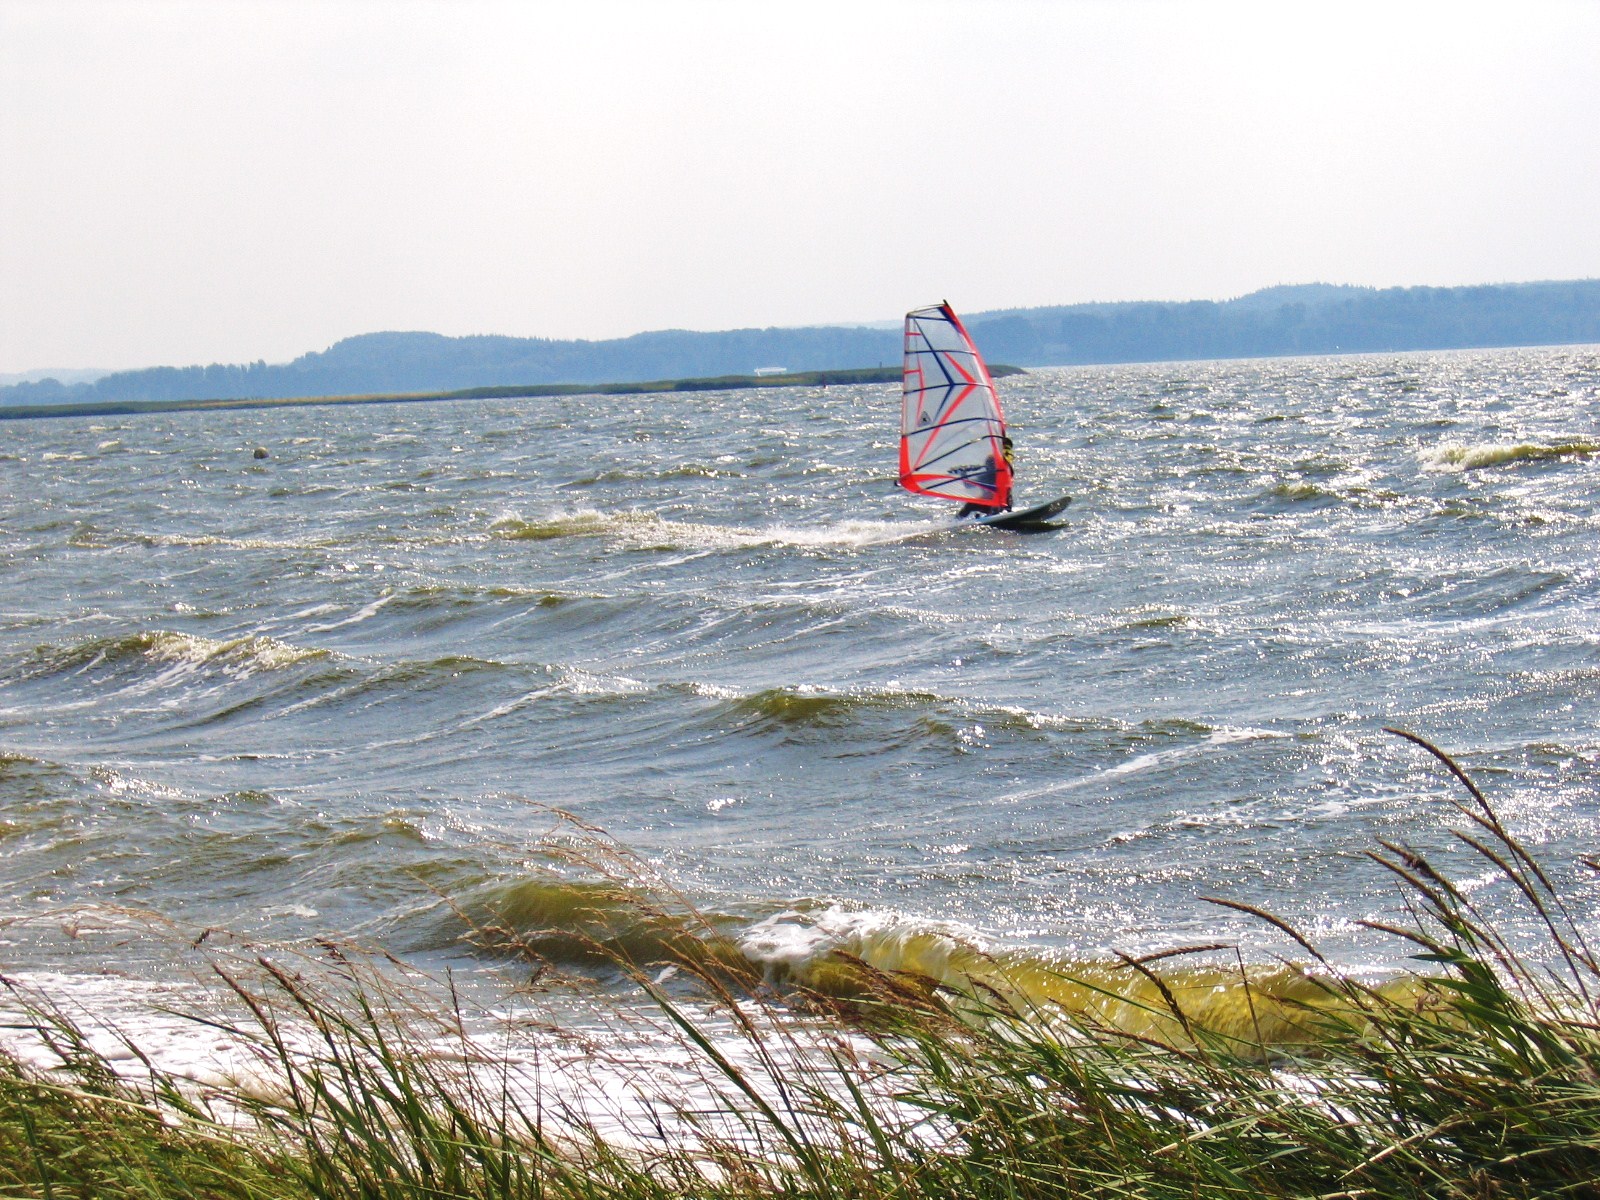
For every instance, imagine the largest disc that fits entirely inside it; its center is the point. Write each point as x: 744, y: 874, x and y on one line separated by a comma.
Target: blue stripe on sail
x: 928, y: 462
x: 936, y: 427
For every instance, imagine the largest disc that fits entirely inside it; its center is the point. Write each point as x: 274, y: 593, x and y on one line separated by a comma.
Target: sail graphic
x: 951, y: 427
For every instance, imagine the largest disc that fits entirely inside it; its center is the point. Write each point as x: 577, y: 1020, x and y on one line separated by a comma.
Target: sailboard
x: 953, y: 443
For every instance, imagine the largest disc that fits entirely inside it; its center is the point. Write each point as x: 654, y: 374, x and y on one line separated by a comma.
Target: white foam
x: 629, y: 1077
x: 365, y: 613
x: 789, y: 944
x: 647, y: 530
x: 239, y: 657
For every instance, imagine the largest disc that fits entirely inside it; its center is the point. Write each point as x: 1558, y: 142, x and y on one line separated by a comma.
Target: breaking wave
x: 240, y: 657
x: 1496, y: 454
x: 645, y: 531
x: 848, y: 953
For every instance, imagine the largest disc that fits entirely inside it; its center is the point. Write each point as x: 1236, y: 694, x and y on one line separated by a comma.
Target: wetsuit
x: 988, y: 479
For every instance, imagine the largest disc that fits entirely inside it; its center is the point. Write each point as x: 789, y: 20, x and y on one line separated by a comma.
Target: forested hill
x: 1310, y: 319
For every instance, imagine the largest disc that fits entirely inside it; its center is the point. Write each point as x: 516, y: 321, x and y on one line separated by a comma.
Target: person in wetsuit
x: 988, y: 478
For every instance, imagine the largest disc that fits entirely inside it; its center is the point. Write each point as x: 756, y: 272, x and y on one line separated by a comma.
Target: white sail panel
x: 951, y: 429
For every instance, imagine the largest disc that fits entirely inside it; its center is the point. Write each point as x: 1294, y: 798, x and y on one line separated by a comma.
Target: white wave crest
x: 1457, y: 457
x: 792, y: 945
x: 644, y: 531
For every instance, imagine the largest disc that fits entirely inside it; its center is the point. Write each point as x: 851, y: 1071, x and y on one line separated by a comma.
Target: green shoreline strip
x: 113, y: 408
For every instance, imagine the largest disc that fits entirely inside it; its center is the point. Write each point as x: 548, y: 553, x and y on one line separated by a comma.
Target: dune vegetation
x: 1478, y: 1076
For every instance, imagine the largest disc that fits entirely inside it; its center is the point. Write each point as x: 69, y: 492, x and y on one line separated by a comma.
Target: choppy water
x: 338, y: 691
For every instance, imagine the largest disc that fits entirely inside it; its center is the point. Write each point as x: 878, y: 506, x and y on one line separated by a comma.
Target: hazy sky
x: 233, y: 180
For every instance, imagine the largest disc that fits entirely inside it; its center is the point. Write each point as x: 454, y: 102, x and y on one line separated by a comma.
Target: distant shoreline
x: 118, y: 408
x: 1275, y: 322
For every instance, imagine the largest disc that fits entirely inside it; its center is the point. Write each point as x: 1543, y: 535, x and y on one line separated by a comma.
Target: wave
x: 427, y: 608
x: 591, y: 923
x: 190, y: 681
x: 1302, y: 491
x: 850, y: 953
x: 32, y: 795
x: 889, y: 719
x: 813, y: 707
x: 1493, y: 454
x: 803, y: 706
x: 677, y: 471
x: 578, y: 524
x: 646, y: 531
x: 239, y: 657
x: 88, y: 537
x: 838, y: 952
x: 243, y: 657
x: 1157, y: 619
x: 432, y: 596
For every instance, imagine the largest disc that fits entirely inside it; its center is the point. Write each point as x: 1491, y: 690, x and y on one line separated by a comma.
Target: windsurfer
x: 989, y: 479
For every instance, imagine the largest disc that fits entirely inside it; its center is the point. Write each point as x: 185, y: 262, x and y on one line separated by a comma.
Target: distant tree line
x: 1314, y: 319
x: 430, y: 362
x: 1310, y: 319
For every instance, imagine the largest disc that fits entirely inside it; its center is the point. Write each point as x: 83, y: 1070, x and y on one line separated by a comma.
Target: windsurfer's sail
x: 952, y: 434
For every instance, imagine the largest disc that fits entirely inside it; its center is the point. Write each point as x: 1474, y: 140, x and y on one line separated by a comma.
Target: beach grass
x: 1479, y: 1076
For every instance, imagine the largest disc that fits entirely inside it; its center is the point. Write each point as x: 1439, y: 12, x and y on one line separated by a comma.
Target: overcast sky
x: 251, y: 179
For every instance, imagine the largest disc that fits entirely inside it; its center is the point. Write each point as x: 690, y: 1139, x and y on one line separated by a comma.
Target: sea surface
x: 399, y: 679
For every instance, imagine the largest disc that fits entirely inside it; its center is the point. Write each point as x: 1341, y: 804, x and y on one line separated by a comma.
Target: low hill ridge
x: 1317, y: 318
